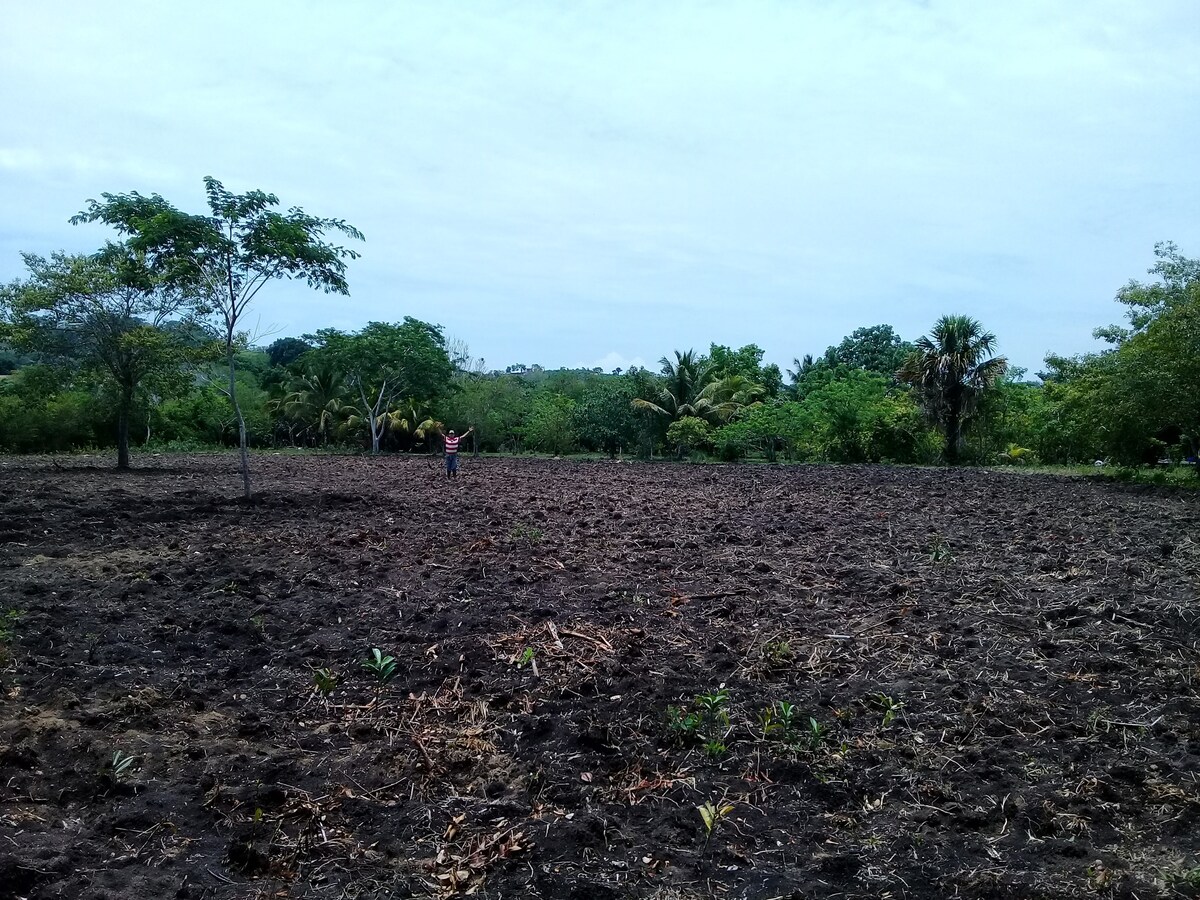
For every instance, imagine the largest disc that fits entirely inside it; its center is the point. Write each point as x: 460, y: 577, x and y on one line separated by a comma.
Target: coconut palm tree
x: 683, y: 381
x: 316, y: 399
x: 950, y: 369
x: 690, y: 389
x: 724, y: 398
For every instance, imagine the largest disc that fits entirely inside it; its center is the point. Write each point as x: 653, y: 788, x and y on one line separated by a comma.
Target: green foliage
x: 939, y: 549
x: 875, y: 349
x: 380, y: 666
x: 745, y: 362
x: 50, y: 409
x: 706, y: 720
x: 496, y: 405
x: 1126, y: 404
x: 605, y: 418
x: 222, y: 259
x: 711, y: 815
x: 950, y: 370
x: 526, y: 534
x: 689, y: 433
x: 857, y: 417
x: 383, y: 363
x: 891, y: 708
x: 550, y: 425
x: 120, y: 766
x: 324, y: 681
x: 287, y: 350
x: 106, y: 316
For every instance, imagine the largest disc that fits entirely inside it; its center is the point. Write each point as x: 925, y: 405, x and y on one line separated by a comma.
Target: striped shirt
x: 452, y: 443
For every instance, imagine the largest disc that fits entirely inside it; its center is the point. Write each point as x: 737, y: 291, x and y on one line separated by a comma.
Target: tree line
x: 143, y: 343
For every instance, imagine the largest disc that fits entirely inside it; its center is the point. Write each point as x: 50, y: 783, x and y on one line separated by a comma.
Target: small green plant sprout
x: 527, y: 659
x: 891, y: 708
x: 715, y: 749
x: 324, y: 681
x: 778, y: 719
x: 382, y: 667
x: 939, y: 549
x: 120, y: 766
x: 777, y: 654
x: 816, y: 734
x: 712, y: 706
x: 706, y: 719
x: 711, y: 815
x: 682, y: 722
x: 526, y: 533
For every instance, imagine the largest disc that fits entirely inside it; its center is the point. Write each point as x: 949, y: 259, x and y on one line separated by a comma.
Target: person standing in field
x: 452, y: 440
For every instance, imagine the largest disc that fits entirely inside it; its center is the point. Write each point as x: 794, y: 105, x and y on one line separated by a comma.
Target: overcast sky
x: 601, y: 183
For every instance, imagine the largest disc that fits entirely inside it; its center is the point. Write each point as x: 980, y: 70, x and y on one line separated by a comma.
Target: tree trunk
x: 126, y: 404
x: 244, y: 453
x: 953, y: 438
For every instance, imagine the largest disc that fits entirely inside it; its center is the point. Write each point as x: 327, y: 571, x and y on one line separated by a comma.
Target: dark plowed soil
x: 887, y: 682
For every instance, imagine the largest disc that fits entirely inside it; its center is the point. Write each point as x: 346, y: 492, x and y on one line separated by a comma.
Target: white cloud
x: 614, y: 360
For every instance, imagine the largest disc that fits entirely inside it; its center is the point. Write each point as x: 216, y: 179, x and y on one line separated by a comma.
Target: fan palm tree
x: 950, y: 369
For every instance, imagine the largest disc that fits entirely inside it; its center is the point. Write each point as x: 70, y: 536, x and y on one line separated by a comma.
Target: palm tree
x: 724, y: 398
x: 316, y: 399
x: 950, y: 369
x: 690, y: 389
x: 683, y: 381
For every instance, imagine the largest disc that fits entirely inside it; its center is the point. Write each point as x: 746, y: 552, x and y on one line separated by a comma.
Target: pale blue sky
x: 594, y: 183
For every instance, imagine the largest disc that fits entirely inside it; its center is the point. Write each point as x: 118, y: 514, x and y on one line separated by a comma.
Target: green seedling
x: 120, y: 766
x: 713, y: 705
x: 382, y: 667
x: 324, y: 681
x: 891, y: 708
x: 816, y: 733
x: 711, y: 815
x: 777, y: 653
x: 707, y: 719
x: 526, y: 658
x: 939, y: 550
x: 682, y: 722
x: 715, y: 749
x: 526, y: 533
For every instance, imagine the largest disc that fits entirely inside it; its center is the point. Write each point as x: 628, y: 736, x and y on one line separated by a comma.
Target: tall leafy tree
x: 1121, y: 402
x: 950, y: 368
x: 385, y: 363
x: 107, y: 312
x: 285, y: 351
x: 1176, y: 274
x: 225, y: 257
x: 604, y: 417
x: 876, y: 349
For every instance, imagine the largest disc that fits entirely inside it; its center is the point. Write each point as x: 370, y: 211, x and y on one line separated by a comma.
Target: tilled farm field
x: 886, y: 682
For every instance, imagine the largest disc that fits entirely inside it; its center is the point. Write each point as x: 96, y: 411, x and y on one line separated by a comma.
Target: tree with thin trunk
x: 384, y: 363
x: 950, y: 369
x: 223, y: 259
x: 107, y: 312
